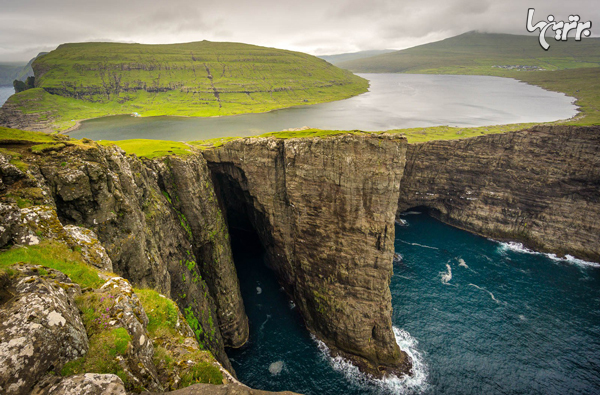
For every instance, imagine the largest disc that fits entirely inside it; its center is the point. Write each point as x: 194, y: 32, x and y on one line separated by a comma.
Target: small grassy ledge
x: 151, y: 148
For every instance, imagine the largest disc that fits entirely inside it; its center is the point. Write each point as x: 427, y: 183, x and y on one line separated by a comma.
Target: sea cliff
x: 537, y: 186
x: 323, y: 208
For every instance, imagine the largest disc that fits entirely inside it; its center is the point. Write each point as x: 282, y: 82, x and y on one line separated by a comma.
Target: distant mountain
x: 344, y: 57
x: 16, y: 71
x: 477, y: 53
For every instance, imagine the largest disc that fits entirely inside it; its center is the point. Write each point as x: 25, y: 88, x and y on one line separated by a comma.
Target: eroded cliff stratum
x: 323, y: 209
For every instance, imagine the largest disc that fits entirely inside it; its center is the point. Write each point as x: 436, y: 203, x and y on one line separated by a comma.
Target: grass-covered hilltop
x: 88, y: 80
x: 571, y: 67
x: 477, y: 53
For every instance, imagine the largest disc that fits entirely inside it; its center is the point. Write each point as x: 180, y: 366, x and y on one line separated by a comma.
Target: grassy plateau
x: 88, y: 80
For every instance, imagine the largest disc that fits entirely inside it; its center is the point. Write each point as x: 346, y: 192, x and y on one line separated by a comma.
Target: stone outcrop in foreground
x: 40, y: 327
x: 158, y: 224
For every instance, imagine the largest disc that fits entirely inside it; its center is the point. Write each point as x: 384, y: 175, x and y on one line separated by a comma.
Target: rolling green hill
x: 477, y: 53
x: 86, y: 80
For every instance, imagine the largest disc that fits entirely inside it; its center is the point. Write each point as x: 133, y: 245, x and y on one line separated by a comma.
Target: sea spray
x: 417, y: 244
x: 415, y: 383
x: 519, y: 247
x: 276, y: 367
x: 483, y: 289
x: 447, y: 275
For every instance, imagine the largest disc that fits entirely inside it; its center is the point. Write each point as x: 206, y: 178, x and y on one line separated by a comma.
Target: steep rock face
x: 537, y: 186
x: 324, y: 210
x: 151, y: 238
x: 11, y: 116
x: 188, y: 186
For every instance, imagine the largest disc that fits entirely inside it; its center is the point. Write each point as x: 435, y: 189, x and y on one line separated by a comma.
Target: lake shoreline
x: 394, y: 101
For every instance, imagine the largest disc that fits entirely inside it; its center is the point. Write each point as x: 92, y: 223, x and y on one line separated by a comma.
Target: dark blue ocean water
x: 477, y: 316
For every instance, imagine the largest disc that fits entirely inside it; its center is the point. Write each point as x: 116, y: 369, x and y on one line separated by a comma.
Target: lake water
x: 5, y: 93
x: 477, y: 317
x: 394, y: 101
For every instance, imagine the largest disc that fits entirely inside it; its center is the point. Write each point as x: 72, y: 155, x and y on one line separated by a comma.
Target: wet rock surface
x: 40, y: 327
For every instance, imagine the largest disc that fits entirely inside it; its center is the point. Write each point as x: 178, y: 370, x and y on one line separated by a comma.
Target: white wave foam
x: 519, y: 247
x: 462, y: 263
x: 446, y: 276
x: 401, y: 222
x: 292, y: 305
x: 410, y: 213
x: 417, y: 383
x: 276, y: 367
x: 483, y: 289
x: 417, y: 244
x: 258, y: 290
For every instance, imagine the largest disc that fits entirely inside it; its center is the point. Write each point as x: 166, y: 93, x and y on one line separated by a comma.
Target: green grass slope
x: 473, y: 53
x: 80, y: 81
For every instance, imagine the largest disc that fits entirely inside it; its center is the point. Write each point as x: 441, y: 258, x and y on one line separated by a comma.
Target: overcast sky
x: 317, y: 27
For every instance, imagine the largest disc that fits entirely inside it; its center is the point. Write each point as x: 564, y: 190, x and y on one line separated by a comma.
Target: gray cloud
x: 313, y: 26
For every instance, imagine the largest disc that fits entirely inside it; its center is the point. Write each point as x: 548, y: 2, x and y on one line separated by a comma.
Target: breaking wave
x: 417, y: 383
x: 447, y: 275
x: 483, y: 289
x: 519, y: 247
x: 417, y: 244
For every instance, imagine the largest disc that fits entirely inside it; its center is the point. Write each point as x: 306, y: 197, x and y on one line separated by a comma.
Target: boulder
x: 40, y: 327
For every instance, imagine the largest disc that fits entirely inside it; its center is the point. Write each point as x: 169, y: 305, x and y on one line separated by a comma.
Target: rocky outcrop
x: 40, y: 327
x: 324, y: 210
x: 127, y: 312
x: 153, y: 237
x: 187, y: 185
x: 537, y: 186
x: 12, y: 116
x: 88, y: 384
